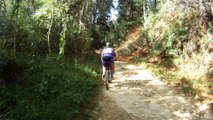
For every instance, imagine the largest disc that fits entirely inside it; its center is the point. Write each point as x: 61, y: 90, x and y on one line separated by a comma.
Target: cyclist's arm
x: 114, y: 54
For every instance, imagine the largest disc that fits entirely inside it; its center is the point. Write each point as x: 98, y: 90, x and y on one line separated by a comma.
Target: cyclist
x: 108, y: 57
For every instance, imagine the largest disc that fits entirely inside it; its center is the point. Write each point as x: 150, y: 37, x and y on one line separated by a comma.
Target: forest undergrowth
x: 50, y: 88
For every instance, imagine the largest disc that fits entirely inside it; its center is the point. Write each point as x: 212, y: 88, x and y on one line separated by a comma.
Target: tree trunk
x: 1, y: 4
x: 95, y: 15
x: 206, y: 13
x: 2, y: 7
x: 50, y: 28
x: 15, y: 14
x: 63, y: 36
x: 131, y: 10
x: 33, y: 6
x: 80, y: 16
x: 144, y: 11
x: 5, y: 8
x: 14, y: 44
x: 153, y: 3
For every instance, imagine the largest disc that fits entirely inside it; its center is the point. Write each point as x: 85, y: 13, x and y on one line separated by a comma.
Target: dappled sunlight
x: 132, y: 67
x: 182, y: 114
x: 133, y: 72
x: 145, y: 96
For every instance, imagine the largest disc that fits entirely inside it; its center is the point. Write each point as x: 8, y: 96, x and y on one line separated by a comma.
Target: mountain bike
x: 107, y: 75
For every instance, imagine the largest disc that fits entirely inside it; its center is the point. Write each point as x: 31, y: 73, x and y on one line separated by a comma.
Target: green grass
x: 52, y: 89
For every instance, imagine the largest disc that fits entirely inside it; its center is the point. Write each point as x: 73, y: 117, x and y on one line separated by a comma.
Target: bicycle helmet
x: 107, y: 44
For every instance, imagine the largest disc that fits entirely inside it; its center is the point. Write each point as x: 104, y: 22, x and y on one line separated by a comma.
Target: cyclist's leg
x: 103, y: 71
x: 112, y: 66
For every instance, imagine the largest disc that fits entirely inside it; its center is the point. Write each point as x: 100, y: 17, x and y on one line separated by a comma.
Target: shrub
x: 53, y: 89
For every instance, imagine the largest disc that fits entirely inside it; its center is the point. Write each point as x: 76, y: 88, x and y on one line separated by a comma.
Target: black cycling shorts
x: 107, y: 58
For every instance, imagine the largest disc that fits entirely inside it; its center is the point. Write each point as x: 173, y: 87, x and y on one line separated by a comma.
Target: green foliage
x: 130, y: 10
x: 53, y: 89
x: 24, y: 25
x: 169, y: 28
x: 121, y: 29
x: 175, y: 36
x: 211, y: 29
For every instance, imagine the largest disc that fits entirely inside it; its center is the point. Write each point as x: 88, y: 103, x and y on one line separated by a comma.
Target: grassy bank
x: 51, y: 89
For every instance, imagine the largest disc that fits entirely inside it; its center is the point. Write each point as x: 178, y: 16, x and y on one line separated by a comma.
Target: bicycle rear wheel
x: 107, y: 79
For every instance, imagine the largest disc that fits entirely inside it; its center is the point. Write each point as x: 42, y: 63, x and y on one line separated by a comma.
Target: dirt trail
x: 135, y: 94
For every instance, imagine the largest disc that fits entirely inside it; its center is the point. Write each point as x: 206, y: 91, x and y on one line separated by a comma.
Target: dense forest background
x: 48, y: 66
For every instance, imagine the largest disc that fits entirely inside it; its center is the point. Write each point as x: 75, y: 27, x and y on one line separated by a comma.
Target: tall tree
x: 100, y: 21
x: 50, y: 25
x: 15, y: 17
x: 33, y: 6
x: 1, y: 2
x: 206, y: 13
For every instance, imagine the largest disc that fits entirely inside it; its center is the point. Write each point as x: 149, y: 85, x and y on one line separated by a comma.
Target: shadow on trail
x: 146, y: 97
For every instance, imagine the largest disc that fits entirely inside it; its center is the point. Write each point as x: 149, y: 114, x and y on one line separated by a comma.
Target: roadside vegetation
x: 176, y: 43
x: 48, y: 68
x: 50, y: 88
